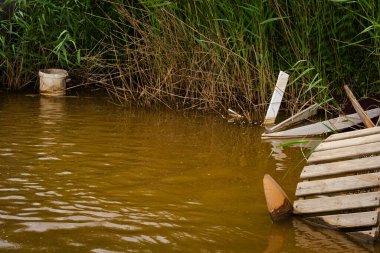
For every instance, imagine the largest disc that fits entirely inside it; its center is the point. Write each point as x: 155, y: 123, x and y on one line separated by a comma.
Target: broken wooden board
x: 348, y: 142
x: 314, y: 239
x: 296, y: 118
x: 336, y: 203
x: 367, y: 236
x: 275, y: 102
x: 346, y: 220
x: 339, y: 184
x: 341, y: 167
x: 363, y: 116
x: 353, y: 134
x: 345, y: 153
x: 278, y: 203
x: 327, y: 126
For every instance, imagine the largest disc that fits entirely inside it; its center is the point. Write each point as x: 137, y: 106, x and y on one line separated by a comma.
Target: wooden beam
x: 346, y: 220
x: 336, y: 203
x: 275, y: 102
x: 347, y: 183
x: 344, y: 153
x: 327, y: 126
x: 335, y: 168
x: 353, y: 134
x: 348, y: 142
x: 363, y: 116
x: 302, y: 115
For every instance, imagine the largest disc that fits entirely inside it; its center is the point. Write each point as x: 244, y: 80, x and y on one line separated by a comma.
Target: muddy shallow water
x: 84, y: 175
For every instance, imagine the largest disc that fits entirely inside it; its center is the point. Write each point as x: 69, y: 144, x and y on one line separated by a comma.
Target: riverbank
x: 200, y: 55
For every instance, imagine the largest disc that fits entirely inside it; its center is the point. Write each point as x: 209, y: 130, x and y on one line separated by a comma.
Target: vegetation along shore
x: 202, y: 54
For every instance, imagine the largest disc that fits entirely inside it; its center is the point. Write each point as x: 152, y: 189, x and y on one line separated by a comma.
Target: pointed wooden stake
x: 278, y: 203
x: 362, y: 114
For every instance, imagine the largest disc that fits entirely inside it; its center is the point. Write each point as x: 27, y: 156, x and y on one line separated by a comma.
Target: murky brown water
x: 83, y: 175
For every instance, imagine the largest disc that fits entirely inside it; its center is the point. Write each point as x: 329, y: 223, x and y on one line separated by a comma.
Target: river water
x: 80, y: 174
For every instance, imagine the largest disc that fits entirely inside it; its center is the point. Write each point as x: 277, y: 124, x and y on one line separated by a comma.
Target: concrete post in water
x: 53, y: 82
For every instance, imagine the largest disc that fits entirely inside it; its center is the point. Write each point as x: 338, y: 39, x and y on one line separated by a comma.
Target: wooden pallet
x: 341, y: 181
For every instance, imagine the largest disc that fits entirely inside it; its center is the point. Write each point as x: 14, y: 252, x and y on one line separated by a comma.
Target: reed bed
x: 204, y: 54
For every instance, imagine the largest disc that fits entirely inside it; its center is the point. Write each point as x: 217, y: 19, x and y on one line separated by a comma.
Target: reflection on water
x: 82, y: 175
x: 311, y: 238
x: 308, y: 238
x: 278, y: 148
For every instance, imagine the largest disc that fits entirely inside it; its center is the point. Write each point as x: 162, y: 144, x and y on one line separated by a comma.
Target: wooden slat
x: 347, y: 220
x: 335, y: 168
x: 353, y: 134
x: 336, y: 203
x: 348, y: 142
x: 330, y: 185
x: 310, y: 239
x: 304, y: 114
x: 364, y: 117
x: 344, y: 153
x: 366, y: 236
x: 327, y: 126
x: 275, y: 102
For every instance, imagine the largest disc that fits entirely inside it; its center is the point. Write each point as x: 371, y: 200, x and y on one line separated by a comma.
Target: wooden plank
x: 327, y: 126
x: 363, y: 116
x: 335, y: 168
x: 353, y: 134
x: 278, y: 203
x: 347, y: 220
x: 275, y: 102
x: 348, y: 142
x: 309, y: 238
x: 339, y: 184
x: 366, y: 235
x: 304, y: 114
x: 344, y: 153
x: 336, y: 203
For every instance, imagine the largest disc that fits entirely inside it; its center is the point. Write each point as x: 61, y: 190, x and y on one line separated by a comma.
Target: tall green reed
x: 199, y: 54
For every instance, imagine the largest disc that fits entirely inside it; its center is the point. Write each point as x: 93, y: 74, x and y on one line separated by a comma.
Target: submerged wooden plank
x: 337, y: 203
x: 347, y: 220
x: 348, y: 142
x: 327, y: 126
x: 353, y: 134
x: 304, y: 114
x: 309, y: 238
x: 278, y: 203
x: 366, y: 235
x: 335, y: 168
x: 275, y: 102
x: 363, y: 116
x: 344, y: 153
x: 330, y: 185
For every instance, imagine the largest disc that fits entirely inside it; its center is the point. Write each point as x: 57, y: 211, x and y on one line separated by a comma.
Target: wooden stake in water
x: 362, y: 114
x: 278, y: 203
x: 275, y: 102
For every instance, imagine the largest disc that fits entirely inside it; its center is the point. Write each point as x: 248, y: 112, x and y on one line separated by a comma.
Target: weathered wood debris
x: 281, y: 130
x: 340, y: 187
x: 340, y: 184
